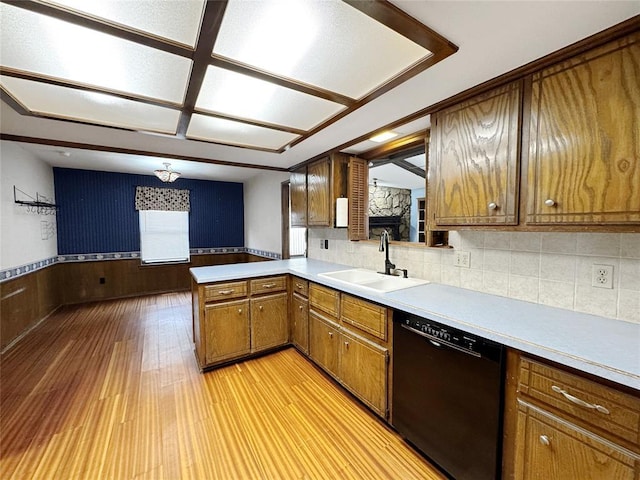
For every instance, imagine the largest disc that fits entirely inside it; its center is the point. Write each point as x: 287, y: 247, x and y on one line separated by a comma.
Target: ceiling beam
x: 211, y: 21
x: 388, y: 14
x: 130, y: 151
x: 420, y: 172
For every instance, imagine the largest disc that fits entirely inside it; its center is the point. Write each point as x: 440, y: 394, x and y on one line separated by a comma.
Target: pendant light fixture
x: 167, y: 175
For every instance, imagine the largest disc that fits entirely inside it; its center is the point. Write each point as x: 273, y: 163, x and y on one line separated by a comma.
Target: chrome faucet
x: 384, y: 247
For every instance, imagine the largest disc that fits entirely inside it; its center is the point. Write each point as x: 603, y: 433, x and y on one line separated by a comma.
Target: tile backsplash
x: 550, y: 268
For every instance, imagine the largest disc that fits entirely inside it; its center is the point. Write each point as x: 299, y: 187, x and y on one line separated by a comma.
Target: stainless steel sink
x: 360, y: 277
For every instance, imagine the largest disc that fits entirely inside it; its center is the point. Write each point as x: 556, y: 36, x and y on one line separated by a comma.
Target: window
x: 164, y: 236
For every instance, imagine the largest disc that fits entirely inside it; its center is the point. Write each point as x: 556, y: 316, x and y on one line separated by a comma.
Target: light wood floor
x: 111, y: 390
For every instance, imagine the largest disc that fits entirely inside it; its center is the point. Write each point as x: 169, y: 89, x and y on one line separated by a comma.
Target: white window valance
x: 165, y: 199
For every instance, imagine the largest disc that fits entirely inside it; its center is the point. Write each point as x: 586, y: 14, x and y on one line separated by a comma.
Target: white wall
x: 550, y: 268
x: 24, y: 237
x: 262, y: 212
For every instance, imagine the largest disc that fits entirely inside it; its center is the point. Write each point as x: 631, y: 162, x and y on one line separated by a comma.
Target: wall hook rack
x: 40, y: 204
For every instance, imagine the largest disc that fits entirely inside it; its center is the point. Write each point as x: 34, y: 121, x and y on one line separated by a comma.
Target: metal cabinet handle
x: 544, y: 440
x: 300, y: 307
x: 346, y: 345
x: 299, y: 286
x: 493, y: 206
x: 268, y: 285
x: 579, y: 401
x: 239, y: 310
x: 225, y: 292
x: 330, y: 334
x: 260, y: 307
x: 549, y: 202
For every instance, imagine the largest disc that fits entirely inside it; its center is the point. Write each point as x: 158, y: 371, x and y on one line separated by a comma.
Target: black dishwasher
x: 447, y: 396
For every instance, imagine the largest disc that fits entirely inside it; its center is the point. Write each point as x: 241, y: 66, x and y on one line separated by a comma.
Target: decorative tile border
x: 203, y: 251
x: 93, y: 257
x: 263, y: 253
x: 12, y: 273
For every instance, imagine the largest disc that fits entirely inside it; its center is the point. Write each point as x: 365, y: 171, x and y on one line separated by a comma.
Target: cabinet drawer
x: 300, y: 286
x: 612, y: 412
x: 268, y: 285
x: 225, y: 291
x: 364, y: 315
x: 556, y: 449
x: 325, y: 299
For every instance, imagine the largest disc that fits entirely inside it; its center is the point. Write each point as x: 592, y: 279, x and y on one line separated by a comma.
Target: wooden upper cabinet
x: 584, y: 150
x: 298, y: 197
x: 476, y: 158
x: 326, y: 181
x: 319, y: 193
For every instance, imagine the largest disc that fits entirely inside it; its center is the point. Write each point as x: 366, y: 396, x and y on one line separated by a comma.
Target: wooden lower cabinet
x: 232, y: 320
x: 363, y: 370
x: 561, y: 425
x: 300, y: 322
x: 323, y: 342
x: 227, y: 331
x: 552, y: 448
x: 269, y: 326
x: 350, y: 338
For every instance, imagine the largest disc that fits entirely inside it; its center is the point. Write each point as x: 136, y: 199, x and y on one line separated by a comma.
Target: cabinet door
x: 298, y: 197
x: 551, y: 448
x: 319, y: 193
x: 363, y: 370
x: 323, y: 342
x: 269, y: 326
x: 227, y: 330
x: 477, y: 155
x: 584, y: 165
x: 300, y: 322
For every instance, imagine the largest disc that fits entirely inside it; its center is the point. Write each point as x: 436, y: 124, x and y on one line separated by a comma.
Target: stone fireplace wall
x: 389, y: 201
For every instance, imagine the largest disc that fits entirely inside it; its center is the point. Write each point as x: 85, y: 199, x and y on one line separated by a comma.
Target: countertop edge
x: 309, y: 270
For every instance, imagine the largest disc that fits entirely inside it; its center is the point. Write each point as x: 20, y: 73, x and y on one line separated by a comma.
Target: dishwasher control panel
x: 441, y: 334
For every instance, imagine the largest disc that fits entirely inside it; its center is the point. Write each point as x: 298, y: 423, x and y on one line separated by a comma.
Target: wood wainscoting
x: 26, y: 300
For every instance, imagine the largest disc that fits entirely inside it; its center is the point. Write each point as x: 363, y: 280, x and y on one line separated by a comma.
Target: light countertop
x: 601, y: 346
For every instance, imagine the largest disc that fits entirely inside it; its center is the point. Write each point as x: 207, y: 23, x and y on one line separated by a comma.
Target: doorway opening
x: 294, y: 239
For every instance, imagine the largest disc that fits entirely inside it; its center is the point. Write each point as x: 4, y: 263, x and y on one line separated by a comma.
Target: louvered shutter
x: 358, y: 199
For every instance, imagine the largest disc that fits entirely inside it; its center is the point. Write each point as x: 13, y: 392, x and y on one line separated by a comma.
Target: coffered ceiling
x: 260, y: 84
x: 263, y: 75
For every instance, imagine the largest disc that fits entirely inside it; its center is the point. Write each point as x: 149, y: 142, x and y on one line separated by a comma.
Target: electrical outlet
x: 326, y: 244
x: 602, y: 276
x: 462, y: 259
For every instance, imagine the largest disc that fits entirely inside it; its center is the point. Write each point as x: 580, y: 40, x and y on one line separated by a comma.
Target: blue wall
x: 97, y: 213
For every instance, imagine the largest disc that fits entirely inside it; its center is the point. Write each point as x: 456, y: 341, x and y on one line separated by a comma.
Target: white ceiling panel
x: 328, y: 44
x: 227, y: 92
x: 79, y: 105
x: 62, y: 50
x: 236, y: 133
x: 170, y: 19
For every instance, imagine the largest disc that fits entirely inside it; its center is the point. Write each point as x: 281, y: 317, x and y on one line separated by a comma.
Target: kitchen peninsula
x: 596, y: 345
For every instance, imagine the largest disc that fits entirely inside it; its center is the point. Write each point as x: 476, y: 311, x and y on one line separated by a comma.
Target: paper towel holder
x: 342, y: 212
